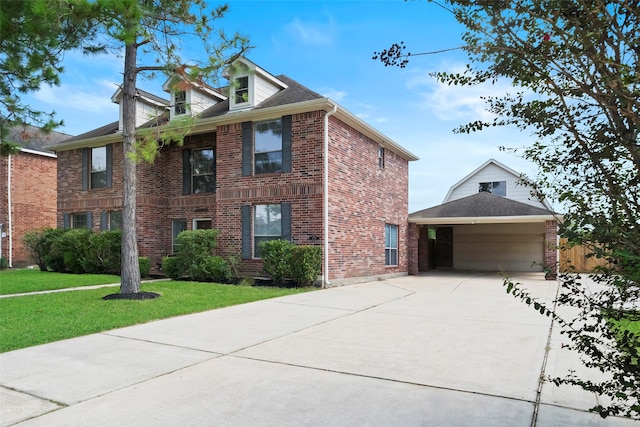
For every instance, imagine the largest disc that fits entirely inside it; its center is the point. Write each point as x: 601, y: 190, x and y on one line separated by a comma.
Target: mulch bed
x: 135, y: 296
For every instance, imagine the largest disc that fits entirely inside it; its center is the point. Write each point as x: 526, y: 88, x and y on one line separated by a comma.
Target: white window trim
x: 250, y: 90
x: 194, y: 221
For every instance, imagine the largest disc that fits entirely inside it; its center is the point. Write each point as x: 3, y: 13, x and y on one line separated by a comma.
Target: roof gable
x: 486, y: 164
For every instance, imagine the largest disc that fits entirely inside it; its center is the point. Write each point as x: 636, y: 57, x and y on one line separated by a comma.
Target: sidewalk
x: 434, y: 350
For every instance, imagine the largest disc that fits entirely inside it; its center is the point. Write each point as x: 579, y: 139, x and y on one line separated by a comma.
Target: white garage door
x: 496, y: 247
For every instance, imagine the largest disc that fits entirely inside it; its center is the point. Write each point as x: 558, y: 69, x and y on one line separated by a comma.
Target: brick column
x: 551, y: 249
x: 412, y: 250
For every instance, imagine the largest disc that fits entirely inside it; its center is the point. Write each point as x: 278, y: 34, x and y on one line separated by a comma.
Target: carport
x: 485, y: 232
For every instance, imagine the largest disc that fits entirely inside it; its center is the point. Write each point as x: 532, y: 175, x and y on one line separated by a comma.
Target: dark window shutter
x: 247, y: 148
x: 85, y: 168
x: 104, y: 221
x: 215, y: 154
x: 285, y: 209
x: 186, y: 171
x: 109, y: 164
x: 66, y: 221
x: 89, y: 220
x: 286, y: 143
x: 246, y: 232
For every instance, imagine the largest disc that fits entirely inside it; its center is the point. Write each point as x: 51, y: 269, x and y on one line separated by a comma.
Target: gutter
x: 9, y: 228
x: 325, y: 237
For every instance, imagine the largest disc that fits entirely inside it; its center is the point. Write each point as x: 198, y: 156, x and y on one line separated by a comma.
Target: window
x: 381, y: 157
x: 267, y: 225
x: 499, y: 188
x: 115, y: 220
x: 203, y: 171
x: 241, y: 90
x: 202, y: 224
x: 79, y: 220
x: 390, y: 244
x: 99, y: 167
x: 180, y: 104
x: 268, y: 146
x: 177, y: 227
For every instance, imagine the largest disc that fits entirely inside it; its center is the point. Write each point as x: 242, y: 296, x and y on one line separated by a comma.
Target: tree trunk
x: 130, y: 273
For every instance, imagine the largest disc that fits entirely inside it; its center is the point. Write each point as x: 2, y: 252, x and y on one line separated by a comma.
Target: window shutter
x: 104, y: 219
x: 246, y: 232
x: 215, y: 169
x: 109, y: 164
x: 186, y: 171
x: 247, y: 148
x: 66, y: 221
x: 285, y: 223
x: 89, y: 220
x: 286, y: 143
x: 85, y: 168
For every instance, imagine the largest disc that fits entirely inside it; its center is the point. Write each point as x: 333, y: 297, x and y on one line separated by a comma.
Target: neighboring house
x: 266, y: 158
x: 487, y: 222
x: 27, y: 191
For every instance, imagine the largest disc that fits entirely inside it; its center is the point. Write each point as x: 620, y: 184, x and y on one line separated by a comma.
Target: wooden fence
x: 578, y: 257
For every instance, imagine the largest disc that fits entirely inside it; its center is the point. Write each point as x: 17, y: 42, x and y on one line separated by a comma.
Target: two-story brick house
x: 266, y: 158
x: 27, y: 191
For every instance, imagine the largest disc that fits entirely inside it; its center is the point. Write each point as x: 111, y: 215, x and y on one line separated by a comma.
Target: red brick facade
x: 363, y: 196
x: 32, y: 192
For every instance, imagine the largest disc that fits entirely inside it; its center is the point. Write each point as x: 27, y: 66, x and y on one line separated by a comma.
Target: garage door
x: 496, y: 247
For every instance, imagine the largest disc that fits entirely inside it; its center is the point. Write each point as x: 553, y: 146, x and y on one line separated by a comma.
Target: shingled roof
x: 33, y: 138
x: 482, y: 204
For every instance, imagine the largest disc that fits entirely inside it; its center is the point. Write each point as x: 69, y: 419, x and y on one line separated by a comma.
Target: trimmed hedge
x: 306, y: 264
x: 194, y: 258
x: 282, y: 259
x: 276, y: 259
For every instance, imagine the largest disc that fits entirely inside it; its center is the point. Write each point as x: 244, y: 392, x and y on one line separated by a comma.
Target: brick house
x: 27, y: 191
x: 266, y: 158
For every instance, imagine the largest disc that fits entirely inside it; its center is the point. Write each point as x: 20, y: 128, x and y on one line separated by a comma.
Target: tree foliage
x: 575, y: 73
x: 156, y: 36
x: 34, y: 35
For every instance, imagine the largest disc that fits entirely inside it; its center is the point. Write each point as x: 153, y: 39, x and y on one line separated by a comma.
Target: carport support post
x: 551, y: 250
x: 412, y: 250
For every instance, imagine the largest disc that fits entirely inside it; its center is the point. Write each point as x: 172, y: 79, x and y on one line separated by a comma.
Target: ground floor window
x: 202, y: 224
x: 390, y: 244
x: 177, y: 227
x: 267, y: 225
x: 115, y: 220
x: 78, y: 220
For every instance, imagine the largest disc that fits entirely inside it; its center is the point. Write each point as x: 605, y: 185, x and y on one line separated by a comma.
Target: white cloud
x: 336, y: 95
x: 75, y: 98
x: 311, y: 33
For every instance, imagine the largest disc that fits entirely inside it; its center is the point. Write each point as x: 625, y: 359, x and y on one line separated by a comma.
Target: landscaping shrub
x: 103, y: 253
x: 54, y: 257
x: 171, y: 267
x: 193, y: 257
x: 3, y: 263
x: 145, y: 266
x: 74, y: 246
x: 276, y: 256
x: 306, y: 264
x: 218, y: 269
x: 38, y: 244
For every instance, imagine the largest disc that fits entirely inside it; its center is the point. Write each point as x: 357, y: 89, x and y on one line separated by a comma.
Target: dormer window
x: 180, y: 104
x: 242, y: 90
x: 499, y: 188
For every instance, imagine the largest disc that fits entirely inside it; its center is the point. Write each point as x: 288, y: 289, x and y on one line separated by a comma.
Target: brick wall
x: 33, y: 200
x: 362, y: 198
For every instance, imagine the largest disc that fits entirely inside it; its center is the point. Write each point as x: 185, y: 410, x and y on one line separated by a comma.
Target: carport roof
x: 482, y: 207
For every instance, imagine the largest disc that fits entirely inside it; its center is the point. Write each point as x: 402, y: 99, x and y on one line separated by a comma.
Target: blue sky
x: 327, y: 46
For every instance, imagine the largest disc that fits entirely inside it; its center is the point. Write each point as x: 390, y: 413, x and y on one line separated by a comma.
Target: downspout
x: 325, y: 237
x: 9, y: 228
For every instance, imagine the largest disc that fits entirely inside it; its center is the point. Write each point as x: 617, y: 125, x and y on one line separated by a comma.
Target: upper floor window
x: 381, y: 157
x: 180, y: 105
x: 499, y: 188
x: 268, y: 147
x: 241, y: 90
x: 99, y: 167
x: 203, y: 171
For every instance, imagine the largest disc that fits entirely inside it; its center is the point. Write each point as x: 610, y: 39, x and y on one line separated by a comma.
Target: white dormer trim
x: 261, y: 84
x: 148, y: 106
x: 198, y: 96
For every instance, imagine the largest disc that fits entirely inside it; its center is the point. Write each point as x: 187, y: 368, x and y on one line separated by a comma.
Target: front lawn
x: 32, y: 280
x: 37, y: 319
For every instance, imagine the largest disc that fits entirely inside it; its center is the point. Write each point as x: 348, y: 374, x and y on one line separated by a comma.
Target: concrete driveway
x: 441, y: 349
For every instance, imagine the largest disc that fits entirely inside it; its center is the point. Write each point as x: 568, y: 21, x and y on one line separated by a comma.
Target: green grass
x: 37, y: 319
x: 28, y: 280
